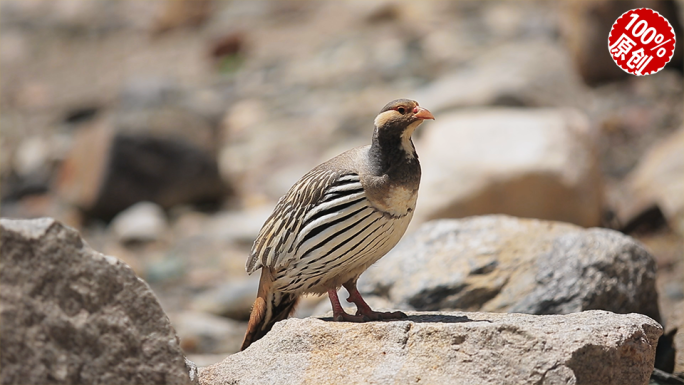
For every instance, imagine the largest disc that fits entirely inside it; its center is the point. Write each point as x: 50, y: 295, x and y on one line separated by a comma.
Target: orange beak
x: 422, y: 113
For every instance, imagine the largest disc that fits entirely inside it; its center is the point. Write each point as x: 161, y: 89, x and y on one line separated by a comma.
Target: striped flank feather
x: 333, y: 229
x: 312, y: 202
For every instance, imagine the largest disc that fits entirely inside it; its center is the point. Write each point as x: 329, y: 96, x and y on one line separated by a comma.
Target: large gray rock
x: 594, y: 347
x: 533, y: 163
x: 500, y: 263
x: 69, y: 314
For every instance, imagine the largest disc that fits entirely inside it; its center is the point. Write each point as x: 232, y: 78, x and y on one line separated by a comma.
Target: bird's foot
x: 381, y: 315
x: 344, y: 317
x: 339, y: 314
x: 364, y: 310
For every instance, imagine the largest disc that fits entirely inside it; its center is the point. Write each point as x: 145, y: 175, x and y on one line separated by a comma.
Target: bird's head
x: 399, y: 118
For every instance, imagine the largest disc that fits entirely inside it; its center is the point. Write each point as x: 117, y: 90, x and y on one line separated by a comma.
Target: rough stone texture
x: 500, y: 263
x: 71, y: 315
x: 657, y: 180
x: 193, y: 372
x: 534, y: 163
x: 594, y: 347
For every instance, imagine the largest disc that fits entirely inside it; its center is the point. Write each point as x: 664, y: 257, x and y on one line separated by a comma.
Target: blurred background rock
x: 166, y: 131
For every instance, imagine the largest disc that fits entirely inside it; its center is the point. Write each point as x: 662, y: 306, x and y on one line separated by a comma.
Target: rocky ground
x: 165, y: 131
x: 71, y: 314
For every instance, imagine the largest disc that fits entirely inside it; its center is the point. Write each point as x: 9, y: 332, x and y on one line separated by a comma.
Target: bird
x: 336, y: 221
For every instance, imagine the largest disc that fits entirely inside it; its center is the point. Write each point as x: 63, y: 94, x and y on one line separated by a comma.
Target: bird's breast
x: 398, y: 201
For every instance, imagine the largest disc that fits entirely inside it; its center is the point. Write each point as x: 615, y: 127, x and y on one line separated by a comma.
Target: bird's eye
x: 401, y: 110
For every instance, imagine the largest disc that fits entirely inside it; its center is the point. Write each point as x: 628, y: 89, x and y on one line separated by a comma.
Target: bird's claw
x: 382, y: 315
x: 344, y: 317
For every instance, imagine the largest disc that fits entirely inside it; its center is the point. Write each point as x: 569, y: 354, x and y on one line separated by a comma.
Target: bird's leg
x: 339, y: 314
x: 362, y: 308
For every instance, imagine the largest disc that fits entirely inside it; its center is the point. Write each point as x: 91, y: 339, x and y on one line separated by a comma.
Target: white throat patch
x: 406, y: 144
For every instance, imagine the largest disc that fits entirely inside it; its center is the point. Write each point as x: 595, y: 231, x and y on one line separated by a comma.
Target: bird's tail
x: 270, y: 307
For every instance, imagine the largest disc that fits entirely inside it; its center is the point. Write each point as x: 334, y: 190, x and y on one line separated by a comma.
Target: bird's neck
x: 391, y: 152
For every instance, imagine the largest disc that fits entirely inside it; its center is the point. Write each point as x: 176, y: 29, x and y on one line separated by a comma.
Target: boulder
x: 69, y: 314
x: 535, y: 163
x: 656, y: 181
x: 505, y: 264
x: 108, y: 170
x: 594, y: 347
x: 158, y: 142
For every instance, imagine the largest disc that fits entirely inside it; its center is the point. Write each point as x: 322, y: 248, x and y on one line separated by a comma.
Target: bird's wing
x: 314, y: 203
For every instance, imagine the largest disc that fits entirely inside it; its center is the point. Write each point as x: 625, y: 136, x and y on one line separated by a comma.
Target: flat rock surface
x: 70, y: 315
x: 593, y: 347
